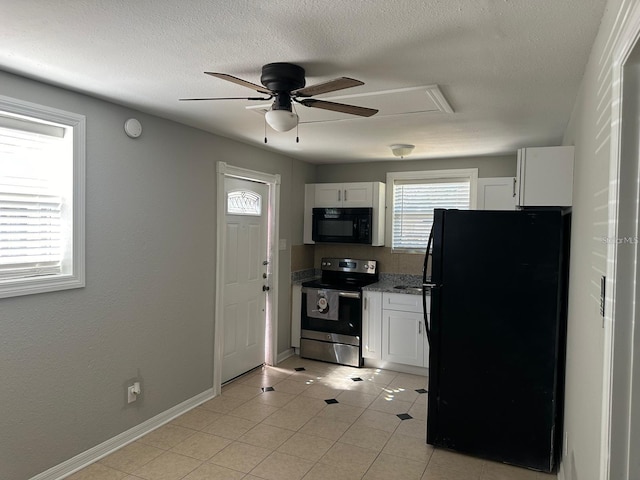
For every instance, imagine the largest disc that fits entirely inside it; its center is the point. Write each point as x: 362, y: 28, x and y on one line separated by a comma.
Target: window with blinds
x: 415, y: 195
x: 31, y: 240
x: 39, y: 200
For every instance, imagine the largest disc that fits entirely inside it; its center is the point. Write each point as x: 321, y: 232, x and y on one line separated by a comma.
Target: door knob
x: 265, y: 288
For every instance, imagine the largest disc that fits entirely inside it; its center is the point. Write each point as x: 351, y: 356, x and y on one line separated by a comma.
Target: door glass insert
x: 244, y: 202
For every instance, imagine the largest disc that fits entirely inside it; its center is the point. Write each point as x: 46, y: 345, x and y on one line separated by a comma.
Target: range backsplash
x: 305, y: 257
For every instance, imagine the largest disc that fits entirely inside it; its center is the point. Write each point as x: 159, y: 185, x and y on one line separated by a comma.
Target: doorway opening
x: 246, y: 309
x: 621, y: 382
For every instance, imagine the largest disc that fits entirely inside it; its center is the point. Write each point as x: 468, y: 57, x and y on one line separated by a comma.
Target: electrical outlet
x: 133, y: 391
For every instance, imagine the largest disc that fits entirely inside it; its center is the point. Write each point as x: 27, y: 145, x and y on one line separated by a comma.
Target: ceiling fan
x: 285, y: 83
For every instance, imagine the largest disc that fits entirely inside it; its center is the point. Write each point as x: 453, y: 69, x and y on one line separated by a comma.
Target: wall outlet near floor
x: 133, y: 391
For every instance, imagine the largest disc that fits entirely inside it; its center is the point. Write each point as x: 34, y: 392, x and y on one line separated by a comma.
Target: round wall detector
x: 133, y: 128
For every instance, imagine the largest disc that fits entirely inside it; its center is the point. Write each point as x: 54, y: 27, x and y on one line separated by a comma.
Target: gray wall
x: 589, y: 130
x: 499, y: 166
x: 147, y: 309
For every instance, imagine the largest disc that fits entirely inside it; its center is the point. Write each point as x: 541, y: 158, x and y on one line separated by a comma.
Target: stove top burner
x: 337, y: 285
x: 345, y: 274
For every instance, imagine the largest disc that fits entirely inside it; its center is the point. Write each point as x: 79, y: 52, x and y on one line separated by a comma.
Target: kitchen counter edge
x: 389, y: 281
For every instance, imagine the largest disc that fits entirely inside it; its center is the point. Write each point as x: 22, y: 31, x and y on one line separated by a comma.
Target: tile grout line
x: 277, y: 379
x: 382, y: 388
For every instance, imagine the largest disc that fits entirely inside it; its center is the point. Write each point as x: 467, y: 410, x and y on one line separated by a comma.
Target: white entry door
x: 246, y: 273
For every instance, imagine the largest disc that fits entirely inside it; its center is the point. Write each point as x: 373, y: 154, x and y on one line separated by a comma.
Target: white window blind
x: 413, y: 203
x: 32, y: 171
x: 42, y: 198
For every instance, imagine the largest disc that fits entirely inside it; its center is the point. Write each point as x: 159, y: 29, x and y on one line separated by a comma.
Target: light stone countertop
x: 388, y: 282
x: 304, y: 276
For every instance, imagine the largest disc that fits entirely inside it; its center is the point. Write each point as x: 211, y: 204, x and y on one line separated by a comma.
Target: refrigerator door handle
x: 426, y: 285
x: 426, y: 257
x: 427, y: 328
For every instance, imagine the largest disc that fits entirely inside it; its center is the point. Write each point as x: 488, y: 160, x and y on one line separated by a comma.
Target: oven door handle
x: 349, y: 294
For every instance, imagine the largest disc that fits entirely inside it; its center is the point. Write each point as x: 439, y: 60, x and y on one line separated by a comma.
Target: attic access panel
x: 424, y: 99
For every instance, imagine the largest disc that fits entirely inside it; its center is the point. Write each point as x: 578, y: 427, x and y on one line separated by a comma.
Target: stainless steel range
x: 332, y: 311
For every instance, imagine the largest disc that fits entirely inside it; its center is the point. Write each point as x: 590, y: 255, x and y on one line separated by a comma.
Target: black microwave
x: 342, y: 225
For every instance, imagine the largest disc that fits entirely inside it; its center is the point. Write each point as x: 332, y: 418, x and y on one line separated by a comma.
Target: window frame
x: 74, y: 277
x: 470, y: 173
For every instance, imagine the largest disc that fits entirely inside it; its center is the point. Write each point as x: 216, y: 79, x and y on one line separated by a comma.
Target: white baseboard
x: 282, y: 356
x: 396, y: 367
x: 94, y: 454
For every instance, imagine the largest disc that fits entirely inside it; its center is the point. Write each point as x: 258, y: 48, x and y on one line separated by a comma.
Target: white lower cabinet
x: 393, y: 328
x: 372, y: 325
x: 403, y: 342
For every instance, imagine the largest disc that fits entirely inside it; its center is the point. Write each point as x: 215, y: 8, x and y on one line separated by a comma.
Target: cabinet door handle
x: 419, y: 327
x: 345, y: 195
x: 365, y: 303
x: 339, y: 192
x: 515, y: 180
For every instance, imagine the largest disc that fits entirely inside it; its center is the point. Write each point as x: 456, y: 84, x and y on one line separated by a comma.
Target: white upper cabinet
x: 346, y: 195
x: 545, y: 177
x: 496, y: 193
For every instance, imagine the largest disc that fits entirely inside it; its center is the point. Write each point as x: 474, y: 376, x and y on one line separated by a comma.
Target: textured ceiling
x: 510, y: 69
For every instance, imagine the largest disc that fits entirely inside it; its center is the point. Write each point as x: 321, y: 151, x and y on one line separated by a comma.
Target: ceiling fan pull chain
x: 295, y: 110
x: 265, y: 129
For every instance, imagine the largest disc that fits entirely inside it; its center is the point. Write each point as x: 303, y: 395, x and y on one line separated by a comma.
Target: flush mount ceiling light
x: 401, y: 149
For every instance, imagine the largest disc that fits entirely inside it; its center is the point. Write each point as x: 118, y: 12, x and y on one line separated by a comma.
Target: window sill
x: 34, y: 286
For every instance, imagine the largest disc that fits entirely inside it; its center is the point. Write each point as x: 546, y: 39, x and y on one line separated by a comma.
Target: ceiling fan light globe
x: 281, y: 120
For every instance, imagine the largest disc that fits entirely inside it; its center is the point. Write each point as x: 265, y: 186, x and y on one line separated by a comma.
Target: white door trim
x: 271, y: 335
x: 619, y: 306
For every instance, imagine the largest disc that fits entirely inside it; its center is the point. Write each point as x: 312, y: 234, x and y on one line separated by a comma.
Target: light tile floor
x: 302, y: 420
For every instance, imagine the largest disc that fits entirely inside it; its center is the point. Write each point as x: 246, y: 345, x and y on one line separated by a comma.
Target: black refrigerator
x: 497, y: 334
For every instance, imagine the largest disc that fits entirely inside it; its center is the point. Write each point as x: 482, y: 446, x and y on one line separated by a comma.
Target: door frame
x: 621, y: 340
x: 224, y: 170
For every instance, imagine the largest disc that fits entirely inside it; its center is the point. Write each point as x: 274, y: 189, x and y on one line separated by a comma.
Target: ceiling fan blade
x: 338, y: 107
x: 326, y: 87
x: 226, y: 98
x: 239, y: 81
